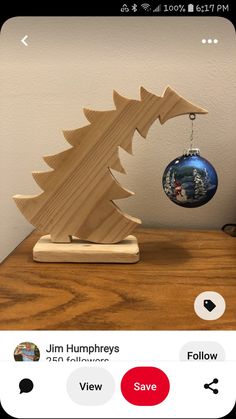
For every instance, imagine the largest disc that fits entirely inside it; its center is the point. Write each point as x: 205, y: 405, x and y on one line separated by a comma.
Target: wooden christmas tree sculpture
x: 78, y: 194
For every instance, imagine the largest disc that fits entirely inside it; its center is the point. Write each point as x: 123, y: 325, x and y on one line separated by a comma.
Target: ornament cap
x: 191, y: 152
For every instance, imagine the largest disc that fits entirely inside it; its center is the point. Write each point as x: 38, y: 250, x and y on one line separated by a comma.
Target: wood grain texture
x: 155, y: 294
x: 78, y: 193
x: 79, y: 251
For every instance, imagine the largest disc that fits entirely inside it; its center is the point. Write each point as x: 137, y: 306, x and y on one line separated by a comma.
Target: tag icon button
x: 209, y: 305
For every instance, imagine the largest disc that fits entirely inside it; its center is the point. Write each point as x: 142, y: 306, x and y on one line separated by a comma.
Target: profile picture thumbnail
x: 26, y: 352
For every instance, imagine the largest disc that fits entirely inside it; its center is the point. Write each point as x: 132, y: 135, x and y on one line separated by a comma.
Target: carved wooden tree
x: 78, y: 194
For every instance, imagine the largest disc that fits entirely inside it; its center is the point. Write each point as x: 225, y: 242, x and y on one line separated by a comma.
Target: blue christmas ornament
x: 190, y: 180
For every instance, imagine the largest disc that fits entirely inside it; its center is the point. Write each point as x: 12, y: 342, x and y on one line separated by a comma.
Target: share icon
x: 215, y: 390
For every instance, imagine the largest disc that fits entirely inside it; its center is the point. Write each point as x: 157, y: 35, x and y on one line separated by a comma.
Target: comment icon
x: 26, y: 385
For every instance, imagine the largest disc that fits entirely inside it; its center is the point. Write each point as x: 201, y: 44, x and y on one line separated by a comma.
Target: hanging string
x: 192, y: 117
x: 191, y: 151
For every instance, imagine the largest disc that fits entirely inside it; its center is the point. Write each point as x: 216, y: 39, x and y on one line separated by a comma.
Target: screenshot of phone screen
x: 118, y: 256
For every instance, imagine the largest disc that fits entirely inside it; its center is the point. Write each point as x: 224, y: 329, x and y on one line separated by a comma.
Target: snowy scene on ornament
x: 190, y: 181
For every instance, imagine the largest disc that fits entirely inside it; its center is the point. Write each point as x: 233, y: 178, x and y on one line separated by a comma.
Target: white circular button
x: 209, y: 305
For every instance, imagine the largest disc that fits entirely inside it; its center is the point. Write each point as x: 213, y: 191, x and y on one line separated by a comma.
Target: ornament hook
x: 192, y: 116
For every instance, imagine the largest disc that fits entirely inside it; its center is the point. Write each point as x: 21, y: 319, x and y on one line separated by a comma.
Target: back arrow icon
x: 23, y: 40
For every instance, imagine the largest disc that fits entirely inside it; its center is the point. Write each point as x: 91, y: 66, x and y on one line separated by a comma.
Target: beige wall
x: 72, y: 63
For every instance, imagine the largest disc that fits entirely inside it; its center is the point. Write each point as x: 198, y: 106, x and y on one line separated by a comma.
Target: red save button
x: 145, y: 386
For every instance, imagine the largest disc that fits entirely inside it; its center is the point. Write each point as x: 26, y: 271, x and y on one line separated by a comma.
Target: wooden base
x: 127, y: 251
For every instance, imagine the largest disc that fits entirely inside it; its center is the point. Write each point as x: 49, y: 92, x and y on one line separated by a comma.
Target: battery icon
x: 190, y: 8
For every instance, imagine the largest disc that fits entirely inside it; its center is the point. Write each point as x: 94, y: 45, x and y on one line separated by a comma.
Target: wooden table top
x: 155, y: 294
